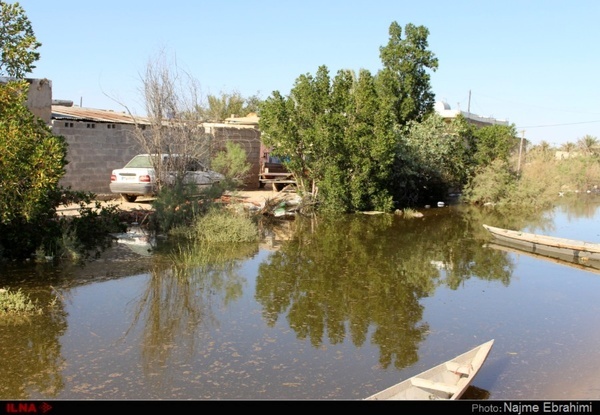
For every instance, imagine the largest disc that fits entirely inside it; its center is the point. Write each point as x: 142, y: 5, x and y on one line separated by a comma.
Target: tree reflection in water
x: 30, y: 351
x: 179, y: 298
x: 347, y: 275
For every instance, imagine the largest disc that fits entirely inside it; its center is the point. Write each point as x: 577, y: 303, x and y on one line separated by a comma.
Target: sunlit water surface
x: 324, y: 310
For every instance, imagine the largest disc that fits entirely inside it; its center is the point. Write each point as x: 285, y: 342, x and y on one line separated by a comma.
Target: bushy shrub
x: 17, y: 303
x: 233, y: 164
x: 178, y: 206
x: 219, y: 225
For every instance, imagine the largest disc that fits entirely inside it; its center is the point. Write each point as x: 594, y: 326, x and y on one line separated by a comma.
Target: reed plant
x: 16, y: 303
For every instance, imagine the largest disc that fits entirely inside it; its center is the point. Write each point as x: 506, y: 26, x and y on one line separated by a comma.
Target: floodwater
x: 325, y: 309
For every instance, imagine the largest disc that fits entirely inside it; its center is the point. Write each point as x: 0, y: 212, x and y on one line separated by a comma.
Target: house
x: 444, y: 110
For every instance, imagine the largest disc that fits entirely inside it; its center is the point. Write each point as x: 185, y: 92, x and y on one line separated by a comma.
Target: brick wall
x: 95, y: 149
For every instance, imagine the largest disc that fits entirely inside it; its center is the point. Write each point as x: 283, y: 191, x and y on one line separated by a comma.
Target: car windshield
x: 143, y: 160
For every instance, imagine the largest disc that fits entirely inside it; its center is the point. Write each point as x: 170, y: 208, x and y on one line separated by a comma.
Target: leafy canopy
x: 340, y: 136
x: 18, y: 43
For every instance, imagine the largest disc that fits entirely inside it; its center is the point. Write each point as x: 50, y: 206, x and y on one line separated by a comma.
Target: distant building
x: 444, y: 110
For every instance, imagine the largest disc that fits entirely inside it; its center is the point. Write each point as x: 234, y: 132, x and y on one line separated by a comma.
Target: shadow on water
x: 326, y: 308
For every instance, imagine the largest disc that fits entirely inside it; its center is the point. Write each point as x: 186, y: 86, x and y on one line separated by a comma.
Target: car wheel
x: 129, y: 198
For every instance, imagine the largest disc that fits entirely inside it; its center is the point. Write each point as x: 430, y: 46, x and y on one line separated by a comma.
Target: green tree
x: 495, y: 142
x: 294, y: 126
x: 31, y: 164
x: 339, y: 136
x: 220, y: 107
x: 441, y: 158
x: 18, y: 43
x: 404, y: 78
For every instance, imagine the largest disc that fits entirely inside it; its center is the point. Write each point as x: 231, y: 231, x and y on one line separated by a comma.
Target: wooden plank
x: 277, y: 181
x: 276, y: 174
x: 439, y: 386
x: 458, y: 368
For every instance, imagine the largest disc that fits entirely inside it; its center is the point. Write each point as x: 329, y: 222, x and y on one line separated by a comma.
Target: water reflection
x: 338, y: 306
x: 343, y: 276
x: 185, y: 284
x: 30, y: 354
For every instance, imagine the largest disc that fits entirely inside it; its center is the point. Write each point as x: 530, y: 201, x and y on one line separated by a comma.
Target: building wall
x: 39, y: 98
x: 95, y: 149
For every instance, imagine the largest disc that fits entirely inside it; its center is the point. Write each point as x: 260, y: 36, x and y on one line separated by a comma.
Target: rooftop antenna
x: 469, y: 104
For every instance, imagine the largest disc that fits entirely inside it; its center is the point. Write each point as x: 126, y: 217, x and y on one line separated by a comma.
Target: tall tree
x: 294, y: 126
x: 32, y: 162
x: 223, y: 106
x: 340, y: 135
x: 18, y: 43
x: 404, y: 77
x: 588, y: 144
x: 172, y: 99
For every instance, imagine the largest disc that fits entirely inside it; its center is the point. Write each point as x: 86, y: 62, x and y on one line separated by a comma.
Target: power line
x: 558, y: 125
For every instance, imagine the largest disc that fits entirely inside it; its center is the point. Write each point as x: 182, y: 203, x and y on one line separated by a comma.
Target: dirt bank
x: 257, y: 197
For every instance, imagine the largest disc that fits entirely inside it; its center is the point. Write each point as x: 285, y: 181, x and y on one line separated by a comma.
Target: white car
x: 138, y: 177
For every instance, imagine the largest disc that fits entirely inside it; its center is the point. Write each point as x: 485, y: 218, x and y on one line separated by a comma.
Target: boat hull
x: 447, y: 381
x: 541, y: 244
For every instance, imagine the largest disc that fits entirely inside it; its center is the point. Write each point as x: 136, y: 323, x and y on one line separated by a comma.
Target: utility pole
x: 469, y: 103
x: 520, y: 151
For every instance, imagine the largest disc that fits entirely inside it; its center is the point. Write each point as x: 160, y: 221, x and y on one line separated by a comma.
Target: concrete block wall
x: 95, y: 149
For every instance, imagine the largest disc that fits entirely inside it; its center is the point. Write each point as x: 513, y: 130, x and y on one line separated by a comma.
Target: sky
x: 533, y: 63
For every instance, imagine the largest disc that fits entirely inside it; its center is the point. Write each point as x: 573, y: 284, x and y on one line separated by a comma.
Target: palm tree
x: 588, y: 144
x: 568, y: 147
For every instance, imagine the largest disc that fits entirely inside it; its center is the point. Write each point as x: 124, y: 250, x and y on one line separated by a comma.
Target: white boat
x: 446, y: 381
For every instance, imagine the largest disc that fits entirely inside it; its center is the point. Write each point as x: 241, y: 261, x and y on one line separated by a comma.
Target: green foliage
x: 229, y: 104
x: 178, y: 206
x: 32, y: 161
x: 440, y: 157
x: 31, y: 166
x: 220, y: 226
x: 495, y: 142
x: 16, y: 303
x: 404, y: 79
x: 338, y: 136
x: 492, y: 184
x: 85, y: 234
x: 232, y: 163
x: 17, y: 41
x: 333, y: 134
x: 536, y: 186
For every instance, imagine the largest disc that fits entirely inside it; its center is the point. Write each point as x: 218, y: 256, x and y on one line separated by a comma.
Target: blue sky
x: 533, y: 63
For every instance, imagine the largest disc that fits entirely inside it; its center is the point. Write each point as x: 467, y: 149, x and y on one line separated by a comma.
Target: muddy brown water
x: 321, y: 309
